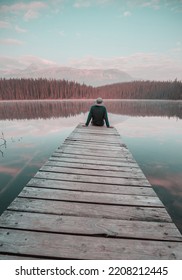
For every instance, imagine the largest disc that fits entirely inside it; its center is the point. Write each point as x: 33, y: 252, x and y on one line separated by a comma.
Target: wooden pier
x: 90, y: 200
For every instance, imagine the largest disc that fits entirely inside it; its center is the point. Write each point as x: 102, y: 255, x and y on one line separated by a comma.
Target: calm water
x: 151, y: 129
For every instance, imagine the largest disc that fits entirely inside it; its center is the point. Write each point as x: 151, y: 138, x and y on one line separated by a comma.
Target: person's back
x: 98, y: 114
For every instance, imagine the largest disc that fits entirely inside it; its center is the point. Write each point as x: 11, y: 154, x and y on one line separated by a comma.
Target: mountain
x: 93, y: 77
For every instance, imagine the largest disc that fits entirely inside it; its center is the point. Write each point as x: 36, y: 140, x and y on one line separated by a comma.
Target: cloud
x: 30, y: 59
x: 8, y: 25
x: 10, y: 41
x: 62, y: 33
x: 9, y: 170
x: 29, y: 10
x: 91, y: 3
x: 146, y: 66
x: 8, y: 63
x: 82, y: 3
x: 78, y: 34
x: 139, y: 65
x: 20, y: 30
x: 5, y: 24
x: 127, y: 14
x: 155, y: 4
x: 22, y: 7
x: 171, y: 182
x: 31, y: 14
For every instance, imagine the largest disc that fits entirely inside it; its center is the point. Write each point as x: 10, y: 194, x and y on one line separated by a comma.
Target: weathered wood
x: 89, y: 201
x: 92, y: 179
x: 80, y: 165
x: 82, y: 141
x: 84, y: 247
x: 90, y: 197
x: 92, y: 146
x: 65, y: 208
x: 96, y: 153
x: 93, y: 129
x: 95, y: 136
x: 97, y: 162
x: 87, y: 187
x: 90, y: 226
x: 81, y: 171
x: 93, y: 139
x: 98, y: 131
x: 96, y: 158
x: 17, y: 257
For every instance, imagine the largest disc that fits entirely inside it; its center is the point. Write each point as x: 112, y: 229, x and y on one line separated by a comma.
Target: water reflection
x: 48, y: 109
x: 34, y: 129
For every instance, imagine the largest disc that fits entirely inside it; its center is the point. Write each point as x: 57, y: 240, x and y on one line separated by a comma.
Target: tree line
x: 30, y: 89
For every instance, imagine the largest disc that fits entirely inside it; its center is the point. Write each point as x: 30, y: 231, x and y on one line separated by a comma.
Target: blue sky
x: 141, y: 37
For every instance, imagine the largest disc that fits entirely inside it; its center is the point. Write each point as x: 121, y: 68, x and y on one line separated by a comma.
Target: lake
x: 151, y: 129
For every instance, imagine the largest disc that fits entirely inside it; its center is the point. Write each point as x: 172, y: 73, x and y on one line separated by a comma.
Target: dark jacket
x: 98, y: 114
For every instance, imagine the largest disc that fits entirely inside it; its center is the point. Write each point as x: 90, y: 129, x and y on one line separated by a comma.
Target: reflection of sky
x: 29, y: 144
x: 155, y: 142
x: 155, y: 127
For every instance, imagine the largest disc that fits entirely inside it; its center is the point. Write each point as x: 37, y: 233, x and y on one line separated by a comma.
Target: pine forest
x: 36, y: 89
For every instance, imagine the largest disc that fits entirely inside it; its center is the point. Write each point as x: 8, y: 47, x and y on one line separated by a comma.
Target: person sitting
x: 98, y: 114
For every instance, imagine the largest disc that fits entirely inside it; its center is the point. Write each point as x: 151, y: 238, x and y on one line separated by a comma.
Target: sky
x: 140, y: 37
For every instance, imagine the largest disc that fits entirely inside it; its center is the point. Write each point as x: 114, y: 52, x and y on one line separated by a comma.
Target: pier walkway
x: 90, y: 200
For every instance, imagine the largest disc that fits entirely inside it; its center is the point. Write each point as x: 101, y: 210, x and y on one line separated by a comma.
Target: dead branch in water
x: 2, y: 144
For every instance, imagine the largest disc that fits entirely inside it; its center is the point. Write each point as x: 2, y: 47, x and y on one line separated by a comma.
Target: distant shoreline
x: 86, y: 100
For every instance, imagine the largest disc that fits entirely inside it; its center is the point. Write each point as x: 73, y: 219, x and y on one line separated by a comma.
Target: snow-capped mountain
x: 93, y: 77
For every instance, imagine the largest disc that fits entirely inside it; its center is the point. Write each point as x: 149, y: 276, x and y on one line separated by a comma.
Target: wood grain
x: 90, y: 200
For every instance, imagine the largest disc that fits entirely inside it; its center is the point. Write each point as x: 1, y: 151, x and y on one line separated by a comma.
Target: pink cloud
x: 30, y: 10
x: 5, y: 24
x: 172, y: 183
x: 9, y: 170
x: 11, y: 41
x: 139, y: 65
x: 9, y: 63
x: 34, y: 5
x: 20, y: 30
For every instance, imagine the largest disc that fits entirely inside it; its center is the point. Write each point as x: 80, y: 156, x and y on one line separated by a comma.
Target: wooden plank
x: 90, y: 226
x: 97, y: 133
x: 101, y: 143
x: 96, y: 136
x: 98, y: 130
x: 97, y: 152
x: 97, y: 162
x: 54, y: 162
x: 16, y: 257
x: 93, y: 139
x: 64, y: 208
x: 80, y: 165
x: 81, y: 171
x: 90, y: 197
x: 92, y: 179
x: 83, y: 145
x: 87, y: 187
x: 83, y: 157
x: 81, y: 247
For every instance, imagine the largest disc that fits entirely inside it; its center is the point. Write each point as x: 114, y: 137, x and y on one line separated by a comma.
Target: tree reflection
x: 54, y: 109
